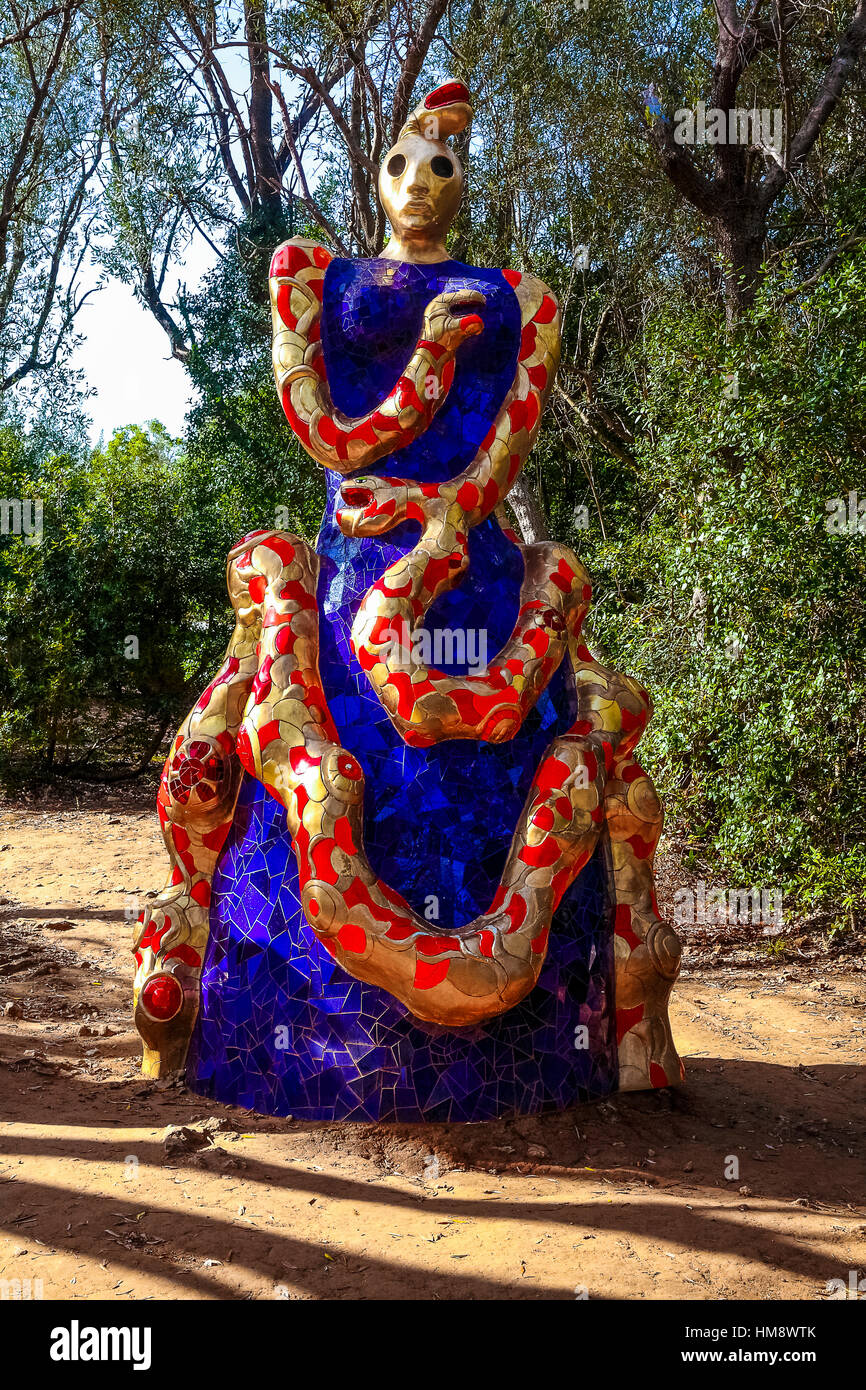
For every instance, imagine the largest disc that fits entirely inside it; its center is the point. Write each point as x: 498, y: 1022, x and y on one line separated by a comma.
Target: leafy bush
x: 95, y: 628
x: 720, y: 586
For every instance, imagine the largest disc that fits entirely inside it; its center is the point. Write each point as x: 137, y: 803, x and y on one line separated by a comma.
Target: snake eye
x: 441, y: 166
x: 396, y: 165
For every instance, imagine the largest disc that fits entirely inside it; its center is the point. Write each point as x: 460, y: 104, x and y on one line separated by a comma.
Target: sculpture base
x: 283, y: 1030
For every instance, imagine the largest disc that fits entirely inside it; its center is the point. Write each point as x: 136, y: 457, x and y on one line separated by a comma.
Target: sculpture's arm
x: 336, y: 440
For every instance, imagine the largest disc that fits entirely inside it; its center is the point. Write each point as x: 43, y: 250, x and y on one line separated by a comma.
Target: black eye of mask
x: 441, y: 166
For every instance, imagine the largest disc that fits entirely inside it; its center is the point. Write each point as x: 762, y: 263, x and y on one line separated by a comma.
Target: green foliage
x: 720, y: 586
x: 832, y: 882
x: 102, y: 635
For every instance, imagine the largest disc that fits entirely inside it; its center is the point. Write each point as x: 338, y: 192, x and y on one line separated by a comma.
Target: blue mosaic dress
x: 282, y: 1028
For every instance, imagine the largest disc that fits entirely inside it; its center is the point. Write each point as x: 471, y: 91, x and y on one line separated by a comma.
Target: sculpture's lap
x: 285, y: 1031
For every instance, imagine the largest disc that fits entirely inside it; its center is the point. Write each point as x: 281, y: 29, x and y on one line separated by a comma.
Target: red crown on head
x: 445, y: 95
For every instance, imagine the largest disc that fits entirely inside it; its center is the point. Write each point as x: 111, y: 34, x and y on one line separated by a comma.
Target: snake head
x: 448, y: 318
x: 372, y: 505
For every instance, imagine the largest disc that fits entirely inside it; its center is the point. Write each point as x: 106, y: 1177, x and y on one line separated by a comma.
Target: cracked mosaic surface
x: 350, y: 1050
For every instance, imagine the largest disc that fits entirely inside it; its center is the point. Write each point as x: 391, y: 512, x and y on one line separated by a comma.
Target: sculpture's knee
x: 260, y: 552
x: 199, y: 781
x: 614, y: 706
x: 633, y: 809
x: 266, y: 560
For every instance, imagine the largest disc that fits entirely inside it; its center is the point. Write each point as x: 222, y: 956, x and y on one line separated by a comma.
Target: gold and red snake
x: 266, y: 712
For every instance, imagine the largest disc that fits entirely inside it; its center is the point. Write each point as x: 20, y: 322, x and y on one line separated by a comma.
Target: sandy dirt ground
x: 747, y: 1183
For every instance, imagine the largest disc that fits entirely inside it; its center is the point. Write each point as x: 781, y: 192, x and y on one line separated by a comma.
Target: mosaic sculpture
x: 405, y: 886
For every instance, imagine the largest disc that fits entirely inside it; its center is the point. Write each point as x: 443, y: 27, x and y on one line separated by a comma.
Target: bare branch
x: 24, y: 30
x: 848, y: 51
x: 315, y: 211
x: 599, y: 432
x: 416, y: 52
x: 848, y: 244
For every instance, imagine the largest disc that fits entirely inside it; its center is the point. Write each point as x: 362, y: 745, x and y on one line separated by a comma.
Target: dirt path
x: 639, y: 1198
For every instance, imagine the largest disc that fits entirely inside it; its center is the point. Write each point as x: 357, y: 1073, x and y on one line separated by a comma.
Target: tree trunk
x: 740, y: 234
x: 736, y: 201
x: 266, y: 194
x: 531, y: 521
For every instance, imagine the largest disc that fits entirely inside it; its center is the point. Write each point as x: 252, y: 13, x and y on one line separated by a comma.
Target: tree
x: 50, y: 66
x: 777, y: 49
x: 323, y: 87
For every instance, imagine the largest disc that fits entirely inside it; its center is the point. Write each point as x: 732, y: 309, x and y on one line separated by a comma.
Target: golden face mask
x: 420, y: 185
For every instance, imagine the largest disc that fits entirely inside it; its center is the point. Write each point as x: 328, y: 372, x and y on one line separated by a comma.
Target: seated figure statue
x: 409, y: 881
